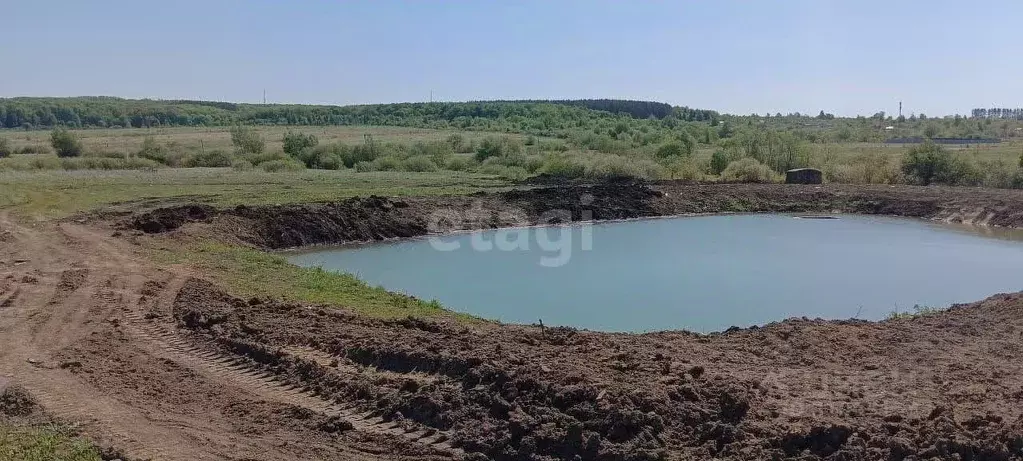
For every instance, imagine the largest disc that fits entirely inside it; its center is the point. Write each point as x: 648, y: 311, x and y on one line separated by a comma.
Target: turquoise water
x: 697, y: 273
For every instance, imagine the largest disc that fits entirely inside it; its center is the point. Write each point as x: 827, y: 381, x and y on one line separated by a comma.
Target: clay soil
x: 161, y: 364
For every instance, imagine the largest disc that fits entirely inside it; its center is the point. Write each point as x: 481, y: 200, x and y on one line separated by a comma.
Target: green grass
x: 247, y: 272
x: 50, y: 443
x: 918, y: 311
x: 54, y: 194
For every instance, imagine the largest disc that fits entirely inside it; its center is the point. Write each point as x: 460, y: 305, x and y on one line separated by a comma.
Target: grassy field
x: 54, y: 194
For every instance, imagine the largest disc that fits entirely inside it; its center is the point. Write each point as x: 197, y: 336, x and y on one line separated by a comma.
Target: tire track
x: 241, y: 372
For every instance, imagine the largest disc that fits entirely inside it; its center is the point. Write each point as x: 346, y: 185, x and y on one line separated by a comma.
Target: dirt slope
x: 378, y: 218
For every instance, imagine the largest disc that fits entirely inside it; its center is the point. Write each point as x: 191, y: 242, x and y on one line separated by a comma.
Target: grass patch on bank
x: 248, y: 272
x: 43, y: 444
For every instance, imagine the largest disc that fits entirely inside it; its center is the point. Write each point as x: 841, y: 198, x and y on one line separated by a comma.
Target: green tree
x: 930, y: 163
x: 65, y: 143
x: 672, y: 149
x: 295, y: 143
x: 247, y: 140
x: 718, y: 162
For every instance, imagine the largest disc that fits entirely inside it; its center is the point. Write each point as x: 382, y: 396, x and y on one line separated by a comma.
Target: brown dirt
x: 379, y: 218
x: 163, y: 365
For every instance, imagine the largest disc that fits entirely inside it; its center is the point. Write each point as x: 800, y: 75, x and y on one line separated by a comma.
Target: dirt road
x: 78, y: 331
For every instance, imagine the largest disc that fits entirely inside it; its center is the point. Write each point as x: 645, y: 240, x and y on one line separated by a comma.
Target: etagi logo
x: 552, y: 232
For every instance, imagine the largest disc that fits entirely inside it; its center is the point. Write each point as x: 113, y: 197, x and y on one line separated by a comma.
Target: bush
x: 389, y: 163
x: 683, y: 168
x: 618, y: 167
x: 749, y: 170
x: 5, y: 148
x: 247, y: 140
x: 534, y: 164
x: 564, y: 167
x: 211, y: 159
x: 457, y: 143
x: 365, y: 167
x: 296, y: 143
x: 241, y: 165
x: 323, y: 157
x: 65, y: 143
x: 274, y: 166
x: 672, y: 149
x: 438, y: 151
x: 459, y: 164
x: 490, y: 147
x: 718, y: 162
x: 419, y: 163
x: 930, y: 163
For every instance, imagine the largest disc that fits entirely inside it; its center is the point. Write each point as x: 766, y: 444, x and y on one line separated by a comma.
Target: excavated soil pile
x: 378, y: 218
x: 943, y: 386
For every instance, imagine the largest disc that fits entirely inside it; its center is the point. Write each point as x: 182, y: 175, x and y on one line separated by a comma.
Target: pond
x: 702, y: 273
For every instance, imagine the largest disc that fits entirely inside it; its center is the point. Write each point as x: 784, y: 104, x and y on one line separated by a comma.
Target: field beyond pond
x: 752, y: 157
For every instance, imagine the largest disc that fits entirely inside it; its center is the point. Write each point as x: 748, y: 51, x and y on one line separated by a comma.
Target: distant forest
x: 97, y: 112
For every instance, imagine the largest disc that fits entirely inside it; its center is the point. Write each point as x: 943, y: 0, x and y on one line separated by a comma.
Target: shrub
x: 564, y: 167
x: 419, y: 163
x: 683, y: 168
x: 247, y: 140
x: 748, y: 169
x: 718, y: 162
x: 457, y: 143
x: 296, y: 143
x: 490, y: 147
x: 533, y: 164
x: 930, y: 163
x: 459, y: 164
x: 389, y: 163
x: 65, y: 143
x: 323, y: 157
x: 5, y: 148
x: 210, y: 159
x: 365, y: 167
x: 152, y: 150
x: 618, y: 167
x: 274, y: 166
x: 672, y: 149
x: 241, y: 165
x: 438, y: 151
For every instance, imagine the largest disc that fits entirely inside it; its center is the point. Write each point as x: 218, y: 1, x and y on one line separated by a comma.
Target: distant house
x: 804, y: 176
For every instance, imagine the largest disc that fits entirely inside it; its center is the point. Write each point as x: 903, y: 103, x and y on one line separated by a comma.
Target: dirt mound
x: 796, y: 389
x: 16, y: 401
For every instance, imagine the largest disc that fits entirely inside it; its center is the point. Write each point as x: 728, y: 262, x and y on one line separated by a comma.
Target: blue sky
x: 847, y: 57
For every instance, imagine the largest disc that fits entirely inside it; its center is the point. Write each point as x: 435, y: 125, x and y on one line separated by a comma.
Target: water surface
x: 698, y: 273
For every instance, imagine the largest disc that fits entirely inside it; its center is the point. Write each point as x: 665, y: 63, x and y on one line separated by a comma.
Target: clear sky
x: 737, y: 56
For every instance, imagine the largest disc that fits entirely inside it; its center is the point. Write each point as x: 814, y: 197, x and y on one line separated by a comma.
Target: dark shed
x: 804, y: 176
